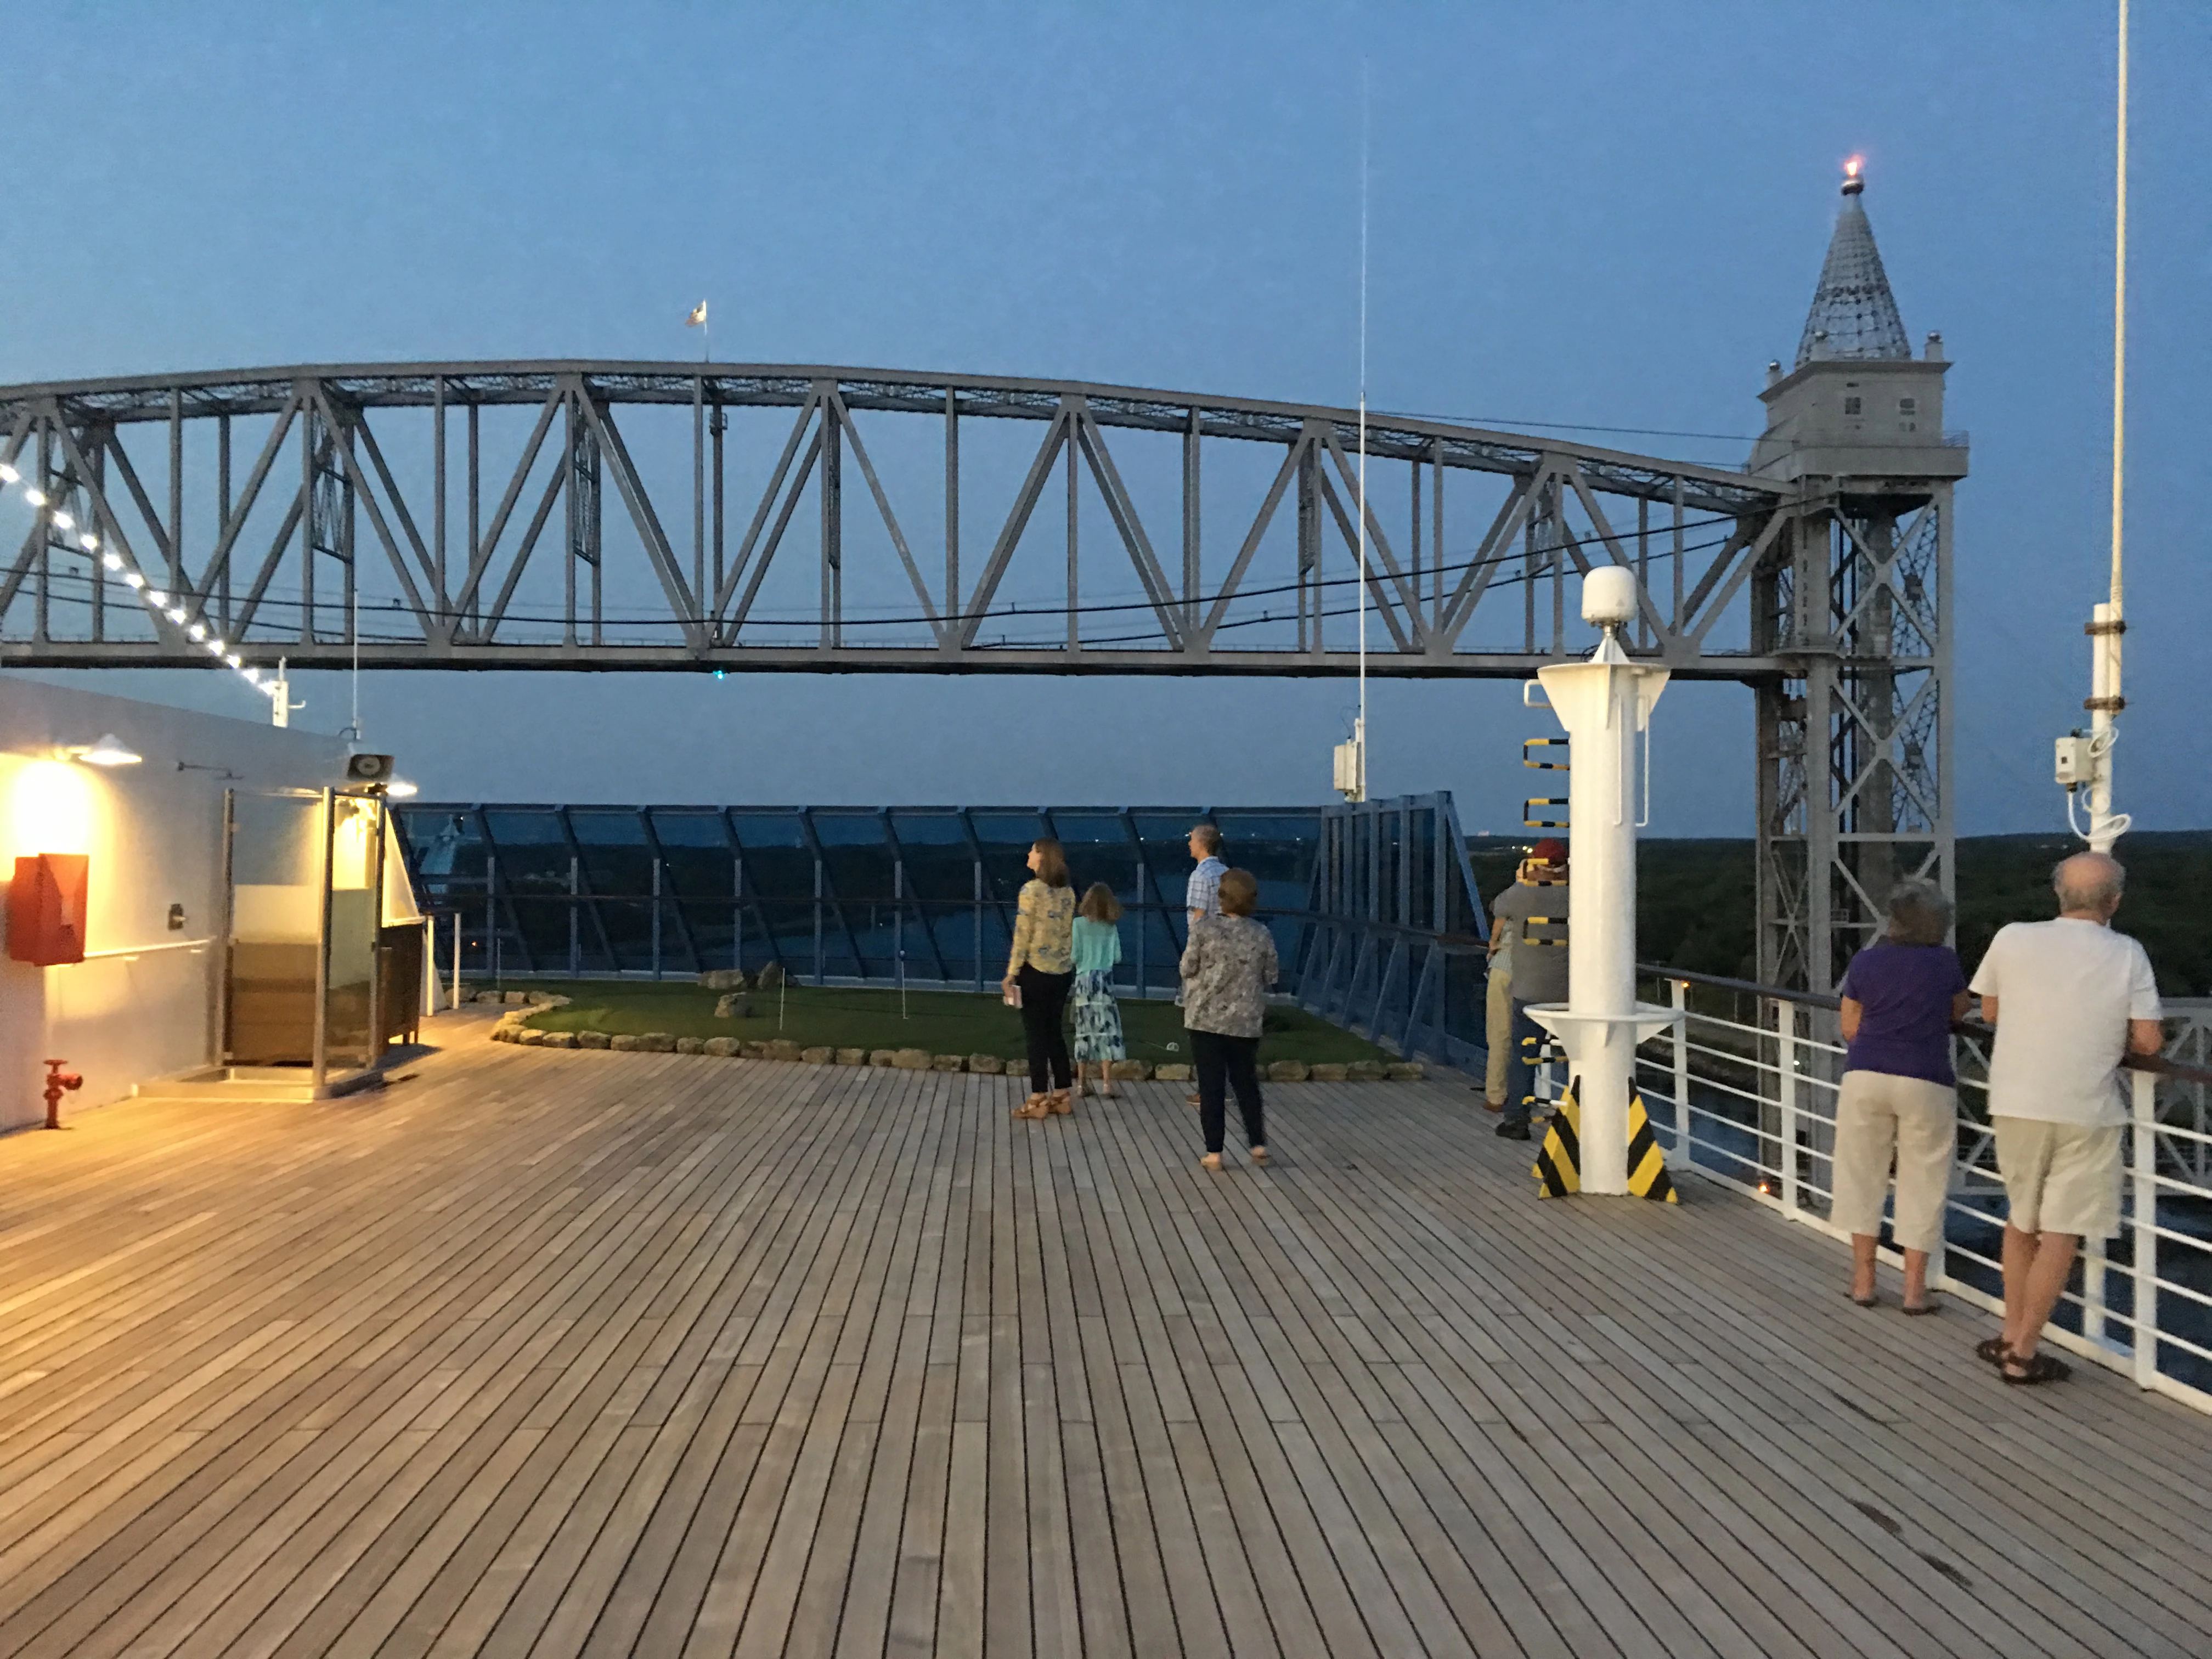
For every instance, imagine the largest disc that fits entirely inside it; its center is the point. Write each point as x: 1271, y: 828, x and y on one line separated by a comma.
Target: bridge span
x: 334, y: 514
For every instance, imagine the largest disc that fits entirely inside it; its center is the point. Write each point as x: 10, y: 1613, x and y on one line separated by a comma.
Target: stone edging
x: 511, y: 1029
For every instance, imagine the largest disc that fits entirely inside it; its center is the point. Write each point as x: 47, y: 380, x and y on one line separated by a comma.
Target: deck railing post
x: 575, y: 963
x: 656, y: 918
x: 1785, y: 1058
x: 1679, y: 996
x: 2142, y: 1092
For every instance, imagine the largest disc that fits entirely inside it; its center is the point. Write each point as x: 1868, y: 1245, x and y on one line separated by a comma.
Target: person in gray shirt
x: 1537, y: 901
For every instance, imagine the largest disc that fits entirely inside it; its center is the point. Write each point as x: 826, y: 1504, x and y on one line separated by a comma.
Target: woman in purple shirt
x: 1899, y: 1098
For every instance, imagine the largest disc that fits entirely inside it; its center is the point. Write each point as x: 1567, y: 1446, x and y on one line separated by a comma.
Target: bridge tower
x: 1855, y: 600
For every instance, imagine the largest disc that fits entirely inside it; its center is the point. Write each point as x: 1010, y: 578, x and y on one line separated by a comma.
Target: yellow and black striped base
x: 1558, y: 1161
x: 1647, y: 1165
x: 1558, y: 1168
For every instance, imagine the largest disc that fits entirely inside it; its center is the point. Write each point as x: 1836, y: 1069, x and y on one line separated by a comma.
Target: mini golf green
x: 943, y: 1022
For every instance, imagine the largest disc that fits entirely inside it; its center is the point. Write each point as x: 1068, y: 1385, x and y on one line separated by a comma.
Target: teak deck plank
x: 552, y: 1354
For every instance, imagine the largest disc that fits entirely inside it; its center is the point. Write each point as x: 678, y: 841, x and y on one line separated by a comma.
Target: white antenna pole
x: 1360, y: 727
x: 2108, y: 622
x: 354, y: 627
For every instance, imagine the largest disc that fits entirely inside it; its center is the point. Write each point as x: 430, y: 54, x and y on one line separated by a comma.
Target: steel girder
x: 361, y: 562
x: 1856, y: 760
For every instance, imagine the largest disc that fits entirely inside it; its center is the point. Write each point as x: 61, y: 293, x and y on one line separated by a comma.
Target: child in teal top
x: 1097, y: 950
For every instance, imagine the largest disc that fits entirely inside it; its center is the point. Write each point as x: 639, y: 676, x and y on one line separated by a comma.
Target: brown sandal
x: 1259, y: 1154
x: 2036, y: 1368
x: 1059, y: 1103
x: 1992, y: 1348
x: 1210, y: 1161
x: 1036, y: 1107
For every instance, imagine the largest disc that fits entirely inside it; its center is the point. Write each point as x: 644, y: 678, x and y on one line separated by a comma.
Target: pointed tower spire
x: 1854, y: 314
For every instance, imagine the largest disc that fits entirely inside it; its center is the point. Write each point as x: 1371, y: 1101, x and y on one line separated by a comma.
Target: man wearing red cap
x: 1537, y: 904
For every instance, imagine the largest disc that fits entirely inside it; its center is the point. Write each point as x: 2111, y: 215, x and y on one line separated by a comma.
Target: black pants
x: 1231, y: 1060
x: 1044, y: 1000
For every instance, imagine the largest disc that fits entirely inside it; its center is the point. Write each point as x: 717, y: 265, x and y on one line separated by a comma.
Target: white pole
x: 1605, y: 703
x: 1360, y: 724
x: 2109, y: 623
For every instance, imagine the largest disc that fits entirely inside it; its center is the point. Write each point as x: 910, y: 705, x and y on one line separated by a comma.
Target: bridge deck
x: 598, y: 1353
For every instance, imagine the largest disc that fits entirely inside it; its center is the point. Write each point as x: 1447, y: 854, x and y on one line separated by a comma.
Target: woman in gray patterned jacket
x: 1227, y: 968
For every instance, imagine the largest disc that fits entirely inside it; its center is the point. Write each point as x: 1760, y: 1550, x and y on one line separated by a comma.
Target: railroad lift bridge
x: 458, y: 516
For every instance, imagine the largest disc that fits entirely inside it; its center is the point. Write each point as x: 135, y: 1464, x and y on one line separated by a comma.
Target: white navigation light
x: 1609, y: 596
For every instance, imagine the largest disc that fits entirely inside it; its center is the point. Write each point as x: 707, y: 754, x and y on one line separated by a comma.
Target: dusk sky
x: 1610, y: 215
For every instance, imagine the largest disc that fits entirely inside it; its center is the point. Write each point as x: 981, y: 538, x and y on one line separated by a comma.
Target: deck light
x: 400, y: 789
x: 37, y: 498
x: 108, y: 751
x: 8, y: 474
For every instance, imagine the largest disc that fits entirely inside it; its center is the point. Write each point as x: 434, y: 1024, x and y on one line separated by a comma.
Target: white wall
x: 153, y: 834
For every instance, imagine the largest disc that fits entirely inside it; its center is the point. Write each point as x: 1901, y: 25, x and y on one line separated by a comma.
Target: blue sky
x: 1583, y: 213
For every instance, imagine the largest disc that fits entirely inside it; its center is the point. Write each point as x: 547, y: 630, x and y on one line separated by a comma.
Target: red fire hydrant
x: 59, y: 1082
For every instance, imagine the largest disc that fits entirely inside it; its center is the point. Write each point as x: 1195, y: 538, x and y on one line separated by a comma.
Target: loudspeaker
x: 368, y: 769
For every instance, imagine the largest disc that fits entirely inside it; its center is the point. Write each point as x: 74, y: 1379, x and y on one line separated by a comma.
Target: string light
x: 156, y: 600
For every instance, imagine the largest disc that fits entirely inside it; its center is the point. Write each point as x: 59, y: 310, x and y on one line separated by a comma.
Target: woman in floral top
x: 1039, y: 971
x: 1227, y: 968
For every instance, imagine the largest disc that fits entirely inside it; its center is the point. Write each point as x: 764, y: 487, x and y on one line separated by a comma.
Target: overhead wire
x: 918, y: 619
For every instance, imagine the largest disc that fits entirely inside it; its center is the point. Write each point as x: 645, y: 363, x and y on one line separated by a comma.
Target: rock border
x: 521, y: 1005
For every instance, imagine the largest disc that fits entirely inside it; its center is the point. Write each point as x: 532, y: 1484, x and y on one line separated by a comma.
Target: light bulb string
x: 160, y: 605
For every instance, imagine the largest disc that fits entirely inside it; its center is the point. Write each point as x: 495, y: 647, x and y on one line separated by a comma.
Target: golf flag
x: 698, y: 317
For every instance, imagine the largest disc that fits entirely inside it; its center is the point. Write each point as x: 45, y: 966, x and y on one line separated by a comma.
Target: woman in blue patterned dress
x: 1098, y: 1020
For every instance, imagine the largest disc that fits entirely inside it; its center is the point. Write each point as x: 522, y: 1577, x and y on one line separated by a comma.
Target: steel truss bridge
x: 793, y: 518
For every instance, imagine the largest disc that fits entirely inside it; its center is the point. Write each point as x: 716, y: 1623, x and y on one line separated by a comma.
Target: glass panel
x: 356, y: 867
x: 511, y: 829
x: 620, y: 826
x: 1006, y: 838
x: 276, y: 927
x: 675, y: 827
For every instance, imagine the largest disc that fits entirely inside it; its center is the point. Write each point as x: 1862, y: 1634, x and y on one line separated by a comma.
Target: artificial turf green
x: 943, y: 1022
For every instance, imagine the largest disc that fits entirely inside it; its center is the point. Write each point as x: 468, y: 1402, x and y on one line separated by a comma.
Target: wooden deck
x: 592, y: 1353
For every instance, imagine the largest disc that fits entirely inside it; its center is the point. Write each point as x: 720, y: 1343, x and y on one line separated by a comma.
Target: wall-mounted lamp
x: 400, y: 789
x: 108, y: 751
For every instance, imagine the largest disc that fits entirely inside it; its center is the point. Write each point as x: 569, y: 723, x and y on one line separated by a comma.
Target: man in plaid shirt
x: 1201, y: 895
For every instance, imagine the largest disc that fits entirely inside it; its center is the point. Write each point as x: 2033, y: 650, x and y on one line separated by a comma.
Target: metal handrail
x: 2158, y: 1064
x: 1762, y: 1123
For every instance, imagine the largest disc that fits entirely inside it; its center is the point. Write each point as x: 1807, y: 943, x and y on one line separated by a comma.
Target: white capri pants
x: 1879, y: 1116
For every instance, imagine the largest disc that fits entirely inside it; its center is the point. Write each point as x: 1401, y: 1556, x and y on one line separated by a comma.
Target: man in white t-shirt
x: 2068, y: 999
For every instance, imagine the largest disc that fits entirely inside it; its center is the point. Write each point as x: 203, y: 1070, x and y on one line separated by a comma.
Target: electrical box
x: 2075, y: 766
x: 1348, y: 769
x: 46, y: 909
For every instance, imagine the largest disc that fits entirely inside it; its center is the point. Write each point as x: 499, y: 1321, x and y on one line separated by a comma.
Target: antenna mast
x: 1352, y: 757
x: 2087, y: 762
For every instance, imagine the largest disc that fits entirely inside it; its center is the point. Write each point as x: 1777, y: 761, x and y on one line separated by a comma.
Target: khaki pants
x: 1497, y: 1030
x: 1878, y: 1115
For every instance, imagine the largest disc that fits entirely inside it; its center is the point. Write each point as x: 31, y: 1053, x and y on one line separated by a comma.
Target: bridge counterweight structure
x: 404, y: 516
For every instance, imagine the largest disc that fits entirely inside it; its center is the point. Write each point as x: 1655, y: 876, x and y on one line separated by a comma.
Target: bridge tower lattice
x: 1856, y: 779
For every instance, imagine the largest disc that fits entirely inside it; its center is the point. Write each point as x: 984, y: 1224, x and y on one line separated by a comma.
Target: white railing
x: 1741, y: 1089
